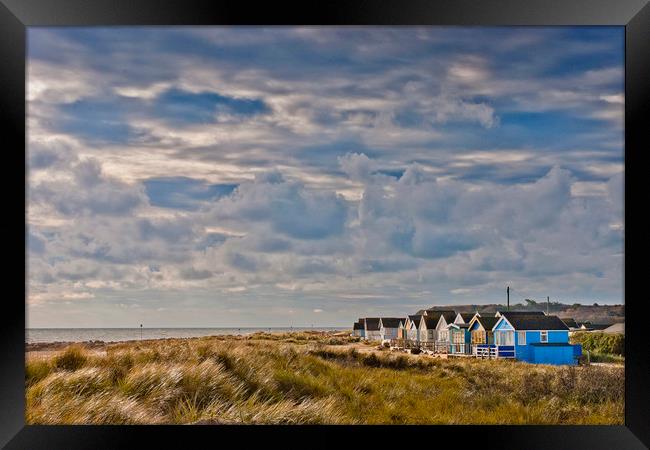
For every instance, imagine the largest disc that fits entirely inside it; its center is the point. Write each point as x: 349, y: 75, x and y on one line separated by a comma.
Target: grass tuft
x: 73, y: 358
x: 36, y: 370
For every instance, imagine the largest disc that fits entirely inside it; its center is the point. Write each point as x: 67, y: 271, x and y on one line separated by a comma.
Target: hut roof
x: 390, y: 322
x: 487, y: 322
x: 372, y: 323
x: 432, y: 317
x: 466, y: 316
x: 415, y: 318
x: 431, y: 321
x: 357, y: 326
x: 449, y: 316
x: 536, y: 322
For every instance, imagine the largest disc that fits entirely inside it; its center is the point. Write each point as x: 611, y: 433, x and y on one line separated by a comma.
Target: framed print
x: 270, y: 219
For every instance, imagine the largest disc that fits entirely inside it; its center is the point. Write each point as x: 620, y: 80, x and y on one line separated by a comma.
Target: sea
x: 37, y: 335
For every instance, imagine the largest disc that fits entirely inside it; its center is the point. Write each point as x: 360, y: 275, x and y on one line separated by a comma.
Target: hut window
x: 505, y: 338
x: 521, y: 337
x: 543, y: 336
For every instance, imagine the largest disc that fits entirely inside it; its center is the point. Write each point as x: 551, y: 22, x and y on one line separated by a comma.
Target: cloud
x: 193, y: 274
x: 286, y: 206
x: 290, y: 168
x: 88, y: 192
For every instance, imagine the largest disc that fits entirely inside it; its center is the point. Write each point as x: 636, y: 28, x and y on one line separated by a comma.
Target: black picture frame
x: 16, y: 15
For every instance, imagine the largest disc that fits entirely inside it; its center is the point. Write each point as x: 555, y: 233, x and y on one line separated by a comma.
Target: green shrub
x: 73, y: 358
x: 600, y: 342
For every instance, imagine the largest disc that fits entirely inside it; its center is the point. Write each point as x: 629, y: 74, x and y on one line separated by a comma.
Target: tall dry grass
x: 296, y: 379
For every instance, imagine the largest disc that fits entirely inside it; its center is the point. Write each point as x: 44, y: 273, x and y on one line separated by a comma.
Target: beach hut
x: 413, y: 328
x: 357, y: 329
x: 401, y: 331
x: 534, y: 338
x: 372, y: 331
x: 480, y: 330
x: 442, y: 333
x: 428, y: 325
x: 459, y: 339
x: 389, y: 327
x: 427, y: 331
x: 362, y: 328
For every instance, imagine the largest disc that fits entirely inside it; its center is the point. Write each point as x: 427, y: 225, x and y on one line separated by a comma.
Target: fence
x: 478, y: 351
x: 435, y: 347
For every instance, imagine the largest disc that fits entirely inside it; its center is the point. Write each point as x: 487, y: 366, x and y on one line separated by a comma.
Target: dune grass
x: 295, y: 379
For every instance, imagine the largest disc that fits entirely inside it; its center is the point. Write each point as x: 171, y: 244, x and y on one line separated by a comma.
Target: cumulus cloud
x: 87, y: 192
x: 285, y: 206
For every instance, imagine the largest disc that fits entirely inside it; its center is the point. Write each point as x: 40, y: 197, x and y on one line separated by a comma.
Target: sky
x: 290, y: 176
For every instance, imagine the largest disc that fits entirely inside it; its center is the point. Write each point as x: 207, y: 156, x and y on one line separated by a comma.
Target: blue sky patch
x: 183, y: 192
x: 183, y: 107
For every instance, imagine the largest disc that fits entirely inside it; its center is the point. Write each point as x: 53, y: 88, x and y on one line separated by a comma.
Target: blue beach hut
x: 537, y: 339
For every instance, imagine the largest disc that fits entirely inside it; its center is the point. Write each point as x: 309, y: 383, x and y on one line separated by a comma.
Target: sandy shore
x: 37, y: 347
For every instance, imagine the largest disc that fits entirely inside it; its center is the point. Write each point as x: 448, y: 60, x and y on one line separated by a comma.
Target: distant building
x: 520, y: 313
x: 588, y: 326
x: 570, y: 322
x: 598, y: 327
